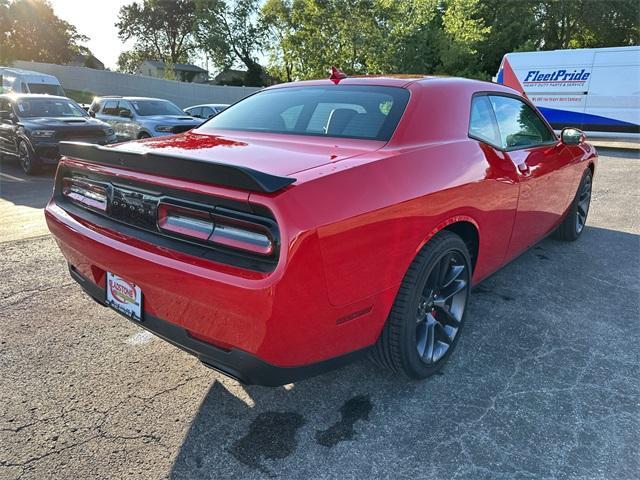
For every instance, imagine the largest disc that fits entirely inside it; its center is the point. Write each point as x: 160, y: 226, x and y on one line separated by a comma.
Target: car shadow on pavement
x: 533, y: 390
x: 19, y: 189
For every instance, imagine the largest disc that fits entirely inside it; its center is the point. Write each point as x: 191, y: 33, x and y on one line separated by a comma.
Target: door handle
x: 524, y: 169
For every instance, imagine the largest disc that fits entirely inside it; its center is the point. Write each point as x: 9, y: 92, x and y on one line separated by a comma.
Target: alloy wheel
x: 584, y: 200
x: 441, y: 307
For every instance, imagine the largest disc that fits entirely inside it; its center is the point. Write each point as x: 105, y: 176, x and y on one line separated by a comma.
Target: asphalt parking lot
x: 545, y: 382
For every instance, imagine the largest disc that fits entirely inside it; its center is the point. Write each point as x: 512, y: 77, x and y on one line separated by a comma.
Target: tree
x: 454, y: 37
x: 464, y: 32
x: 276, y: 18
x: 359, y: 36
x: 512, y: 29
x: 5, y: 54
x: 32, y: 31
x: 162, y: 30
x: 231, y: 32
x: 587, y: 23
x: 130, y: 60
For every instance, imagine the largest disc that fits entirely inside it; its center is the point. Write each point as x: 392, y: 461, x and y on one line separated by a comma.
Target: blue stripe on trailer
x: 556, y: 116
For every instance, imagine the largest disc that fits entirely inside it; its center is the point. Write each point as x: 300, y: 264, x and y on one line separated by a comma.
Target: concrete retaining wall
x: 102, y: 82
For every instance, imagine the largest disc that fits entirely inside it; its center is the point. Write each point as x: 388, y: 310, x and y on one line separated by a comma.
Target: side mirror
x: 92, y: 113
x: 572, y: 136
x: 125, y: 113
x: 6, y: 115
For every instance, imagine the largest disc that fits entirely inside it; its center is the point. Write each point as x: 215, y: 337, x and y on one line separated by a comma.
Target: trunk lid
x: 273, y: 154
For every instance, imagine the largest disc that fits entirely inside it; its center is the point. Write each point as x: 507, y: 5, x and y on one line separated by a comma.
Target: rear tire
x: 424, y: 324
x: 573, y: 224
x: 27, y: 159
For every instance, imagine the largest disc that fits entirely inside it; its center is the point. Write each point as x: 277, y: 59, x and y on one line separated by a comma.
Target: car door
x: 542, y: 165
x: 195, y: 112
x: 127, y: 125
x: 109, y: 113
x: 7, y: 129
x: 208, y: 112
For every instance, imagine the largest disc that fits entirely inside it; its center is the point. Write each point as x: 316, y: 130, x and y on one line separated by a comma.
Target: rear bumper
x: 234, y: 363
x: 260, y: 327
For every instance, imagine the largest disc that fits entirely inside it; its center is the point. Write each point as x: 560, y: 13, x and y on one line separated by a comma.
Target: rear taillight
x: 88, y: 194
x: 223, y: 227
x: 185, y: 221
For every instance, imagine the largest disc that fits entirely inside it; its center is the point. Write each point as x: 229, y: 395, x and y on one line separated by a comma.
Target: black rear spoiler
x: 177, y: 166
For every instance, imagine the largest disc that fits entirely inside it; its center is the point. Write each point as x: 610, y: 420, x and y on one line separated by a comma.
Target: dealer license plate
x: 124, y: 296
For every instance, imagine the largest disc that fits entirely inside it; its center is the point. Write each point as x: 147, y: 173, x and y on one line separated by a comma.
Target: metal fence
x: 102, y: 82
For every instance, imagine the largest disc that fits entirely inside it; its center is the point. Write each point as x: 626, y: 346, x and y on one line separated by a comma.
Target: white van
x: 25, y: 81
x: 594, y: 89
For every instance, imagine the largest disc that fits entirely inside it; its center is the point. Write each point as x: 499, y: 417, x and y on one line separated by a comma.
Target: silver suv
x: 139, y: 117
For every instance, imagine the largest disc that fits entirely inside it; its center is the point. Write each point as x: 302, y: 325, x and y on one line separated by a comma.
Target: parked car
x: 139, y: 117
x: 31, y: 127
x: 206, y: 111
x: 16, y: 80
x: 314, y: 222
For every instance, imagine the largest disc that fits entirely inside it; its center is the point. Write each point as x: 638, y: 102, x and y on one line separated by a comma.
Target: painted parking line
x: 11, y: 177
x: 140, y: 338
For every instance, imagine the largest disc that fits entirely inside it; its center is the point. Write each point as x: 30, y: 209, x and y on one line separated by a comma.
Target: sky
x: 96, y: 19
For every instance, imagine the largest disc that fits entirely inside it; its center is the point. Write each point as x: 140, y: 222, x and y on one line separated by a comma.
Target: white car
x: 206, y: 111
x: 15, y: 80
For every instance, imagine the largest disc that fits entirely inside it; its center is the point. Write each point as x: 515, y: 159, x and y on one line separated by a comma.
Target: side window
x: 123, y: 105
x: 290, y: 116
x: 519, y: 125
x: 110, y: 107
x: 207, y: 112
x: 482, y: 124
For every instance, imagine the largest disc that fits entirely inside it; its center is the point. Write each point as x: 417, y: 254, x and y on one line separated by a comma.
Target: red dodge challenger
x: 314, y: 222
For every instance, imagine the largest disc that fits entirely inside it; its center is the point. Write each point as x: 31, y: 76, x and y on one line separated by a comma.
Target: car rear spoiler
x: 177, y: 166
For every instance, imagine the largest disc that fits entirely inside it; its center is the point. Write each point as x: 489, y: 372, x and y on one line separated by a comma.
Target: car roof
x: 402, y: 81
x: 209, y: 105
x: 399, y: 80
x: 29, y: 73
x: 119, y: 97
x: 17, y: 96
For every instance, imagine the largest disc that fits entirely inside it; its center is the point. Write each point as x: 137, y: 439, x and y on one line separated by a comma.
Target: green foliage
x: 30, y: 30
x: 360, y: 36
x: 5, y: 30
x: 303, y: 38
x: 169, y: 73
x: 230, y: 32
x: 587, y: 23
x: 128, y: 61
x: 162, y: 30
x: 453, y: 37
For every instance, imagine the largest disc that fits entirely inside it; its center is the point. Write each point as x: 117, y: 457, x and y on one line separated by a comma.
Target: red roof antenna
x: 337, y: 75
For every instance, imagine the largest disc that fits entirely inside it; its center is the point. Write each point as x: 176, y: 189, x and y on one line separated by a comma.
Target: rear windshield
x: 146, y: 108
x: 347, y: 111
x: 46, y: 88
x: 49, y: 107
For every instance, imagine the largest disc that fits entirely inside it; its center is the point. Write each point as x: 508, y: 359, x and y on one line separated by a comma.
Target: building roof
x: 185, y: 67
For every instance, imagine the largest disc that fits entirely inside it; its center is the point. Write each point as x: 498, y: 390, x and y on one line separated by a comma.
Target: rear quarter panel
x: 374, y: 213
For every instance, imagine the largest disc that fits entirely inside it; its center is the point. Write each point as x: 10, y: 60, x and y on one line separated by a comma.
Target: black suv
x: 32, y: 125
